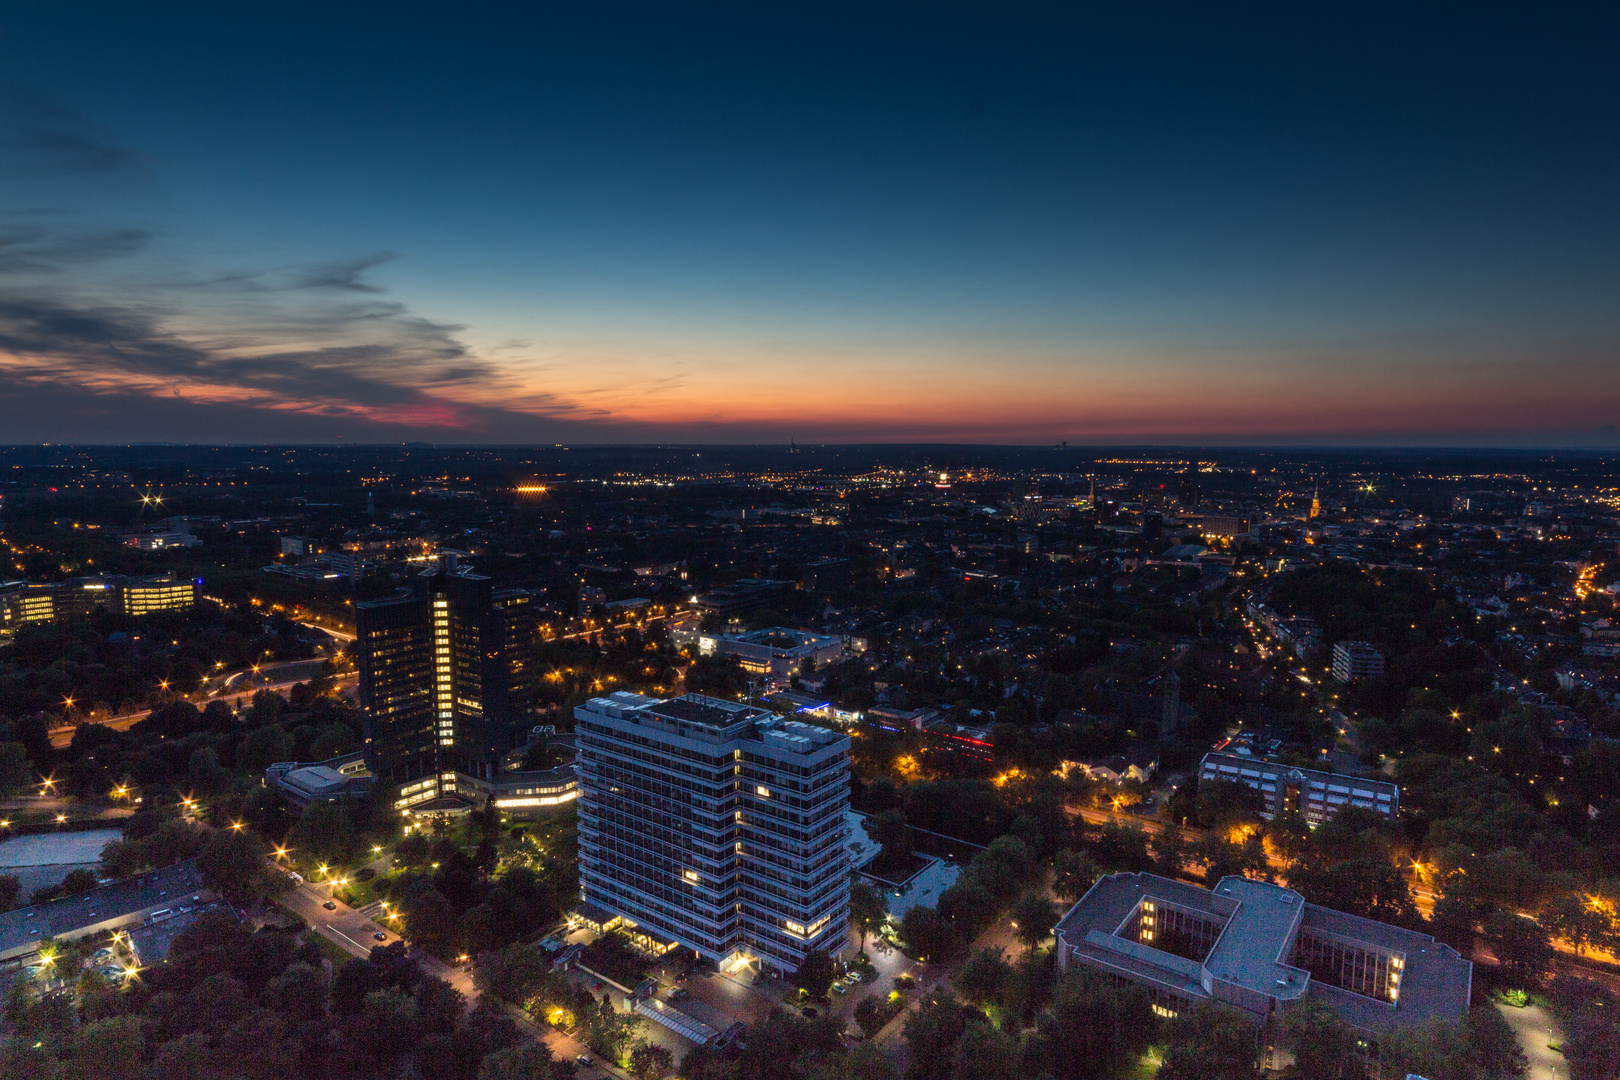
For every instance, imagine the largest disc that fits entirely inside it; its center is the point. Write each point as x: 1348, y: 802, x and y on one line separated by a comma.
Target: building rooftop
x: 22, y: 930
x: 318, y: 780
x: 1253, y: 949
x: 709, y: 712
x: 1252, y: 958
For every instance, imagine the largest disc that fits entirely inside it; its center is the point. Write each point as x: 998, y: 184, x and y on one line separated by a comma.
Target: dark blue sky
x: 1019, y: 223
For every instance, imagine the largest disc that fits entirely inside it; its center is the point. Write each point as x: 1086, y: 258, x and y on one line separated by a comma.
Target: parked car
x: 679, y: 994
x: 583, y: 1059
x: 840, y: 988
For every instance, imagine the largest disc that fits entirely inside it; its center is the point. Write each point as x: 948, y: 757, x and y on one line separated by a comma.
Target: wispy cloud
x: 320, y: 339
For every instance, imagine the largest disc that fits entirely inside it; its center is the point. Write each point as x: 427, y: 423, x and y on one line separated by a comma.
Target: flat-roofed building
x: 1316, y: 795
x: 778, y: 651
x: 144, y: 596
x: 716, y: 825
x: 1262, y: 949
x: 123, y: 905
x: 332, y: 780
x: 1356, y: 660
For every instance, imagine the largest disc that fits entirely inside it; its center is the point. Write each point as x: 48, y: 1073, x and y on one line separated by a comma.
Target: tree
x: 1371, y: 887
x: 1455, y: 920
x: 513, y: 974
x: 1169, y: 851
x: 263, y: 747
x: 16, y: 771
x: 871, y: 1015
x: 108, y: 1049
x: 927, y: 933
x: 1570, y: 918
x: 431, y: 921
x: 1521, y: 945
x: 232, y: 861
x: 890, y: 831
x: 10, y: 892
x: 1324, y: 1046
x: 1073, y: 874
x: 1004, y: 867
x: 1122, y: 848
x: 983, y: 979
x: 78, y: 881
x: 984, y: 1053
x: 528, y: 1060
x: 931, y: 1034
x: 866, y: 909
x: 1210, y: 1042
x: 323, y: 833
x: 649, y: 1062
x: 815, y: 974
x: 1033, y: 917
x: 1478, y: 1048
x: 1092, y: 1029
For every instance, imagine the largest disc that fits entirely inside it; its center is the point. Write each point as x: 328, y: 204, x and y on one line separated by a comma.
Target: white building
x: 777, y: 651
x: 715, y: 825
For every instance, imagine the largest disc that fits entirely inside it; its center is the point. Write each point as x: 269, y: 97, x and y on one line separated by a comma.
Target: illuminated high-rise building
x: 446, y: 677
x: 715, y: 825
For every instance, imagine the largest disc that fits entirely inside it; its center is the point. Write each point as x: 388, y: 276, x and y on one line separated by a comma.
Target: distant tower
x: 371, y: 507
x: 793, y: 447
x: 1316, y: 504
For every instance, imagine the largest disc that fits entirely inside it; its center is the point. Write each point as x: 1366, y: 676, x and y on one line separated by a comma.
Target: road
x: 63, y: 736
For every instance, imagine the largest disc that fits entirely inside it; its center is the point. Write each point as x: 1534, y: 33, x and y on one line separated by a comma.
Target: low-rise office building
x: 333, y: 780
x: 778, y: 651
x: 1262, y: 949
x: 37, y: 602
x: 1316, y: 795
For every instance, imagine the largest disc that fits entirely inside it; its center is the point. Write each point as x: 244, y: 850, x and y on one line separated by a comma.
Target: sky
x: 991, y: 223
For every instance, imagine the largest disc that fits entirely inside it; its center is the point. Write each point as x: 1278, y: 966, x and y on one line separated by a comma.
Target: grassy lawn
x: 329, y: 949
x: 1147, y: 1067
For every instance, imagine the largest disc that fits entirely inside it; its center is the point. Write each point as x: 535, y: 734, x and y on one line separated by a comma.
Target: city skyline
x: 1381, y: 228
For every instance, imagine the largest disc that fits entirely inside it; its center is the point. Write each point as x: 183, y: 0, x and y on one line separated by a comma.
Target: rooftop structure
x: 1260, y: 948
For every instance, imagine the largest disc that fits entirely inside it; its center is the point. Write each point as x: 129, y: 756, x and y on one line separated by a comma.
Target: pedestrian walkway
x: 1536, y: 1030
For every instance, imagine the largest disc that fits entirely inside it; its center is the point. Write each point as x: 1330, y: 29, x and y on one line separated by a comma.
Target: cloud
x: 80, y: 320
x: 347, y: 276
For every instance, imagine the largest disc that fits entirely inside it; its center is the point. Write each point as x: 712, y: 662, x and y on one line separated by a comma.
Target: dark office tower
x: 445, y: 676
